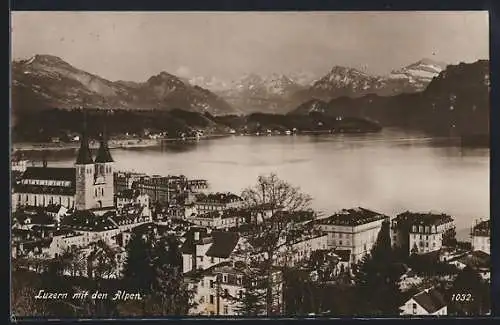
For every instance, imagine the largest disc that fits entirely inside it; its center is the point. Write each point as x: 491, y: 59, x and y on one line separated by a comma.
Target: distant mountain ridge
x: 46, y: 81
x: 281, y: 93
x: 456, y: 101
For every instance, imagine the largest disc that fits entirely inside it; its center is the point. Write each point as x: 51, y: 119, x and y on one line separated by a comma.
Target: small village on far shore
x: 88, y: 215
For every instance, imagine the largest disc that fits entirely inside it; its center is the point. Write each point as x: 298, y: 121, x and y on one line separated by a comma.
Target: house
x: 231, y: 218
x: 421, y: 233
x: 301, y: 248
x: 355, y: 230
x: 217, y: 202
x: 481, y: 236
x: 204, y: 248
x: 219, y: 289
x: 428, y: 302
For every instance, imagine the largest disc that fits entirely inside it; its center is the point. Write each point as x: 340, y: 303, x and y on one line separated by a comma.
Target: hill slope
x: 46, y: 81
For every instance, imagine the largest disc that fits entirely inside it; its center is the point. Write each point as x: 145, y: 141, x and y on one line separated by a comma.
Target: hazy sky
x: 134, y: 46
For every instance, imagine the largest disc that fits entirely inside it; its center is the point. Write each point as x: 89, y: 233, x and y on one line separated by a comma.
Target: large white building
x: 87, y: 185
x: 219, y: 289
x: 355, y: 230
x: 219, y: 219
x: 481, y: 236
x: 420, y: 233
x: 205, y: 203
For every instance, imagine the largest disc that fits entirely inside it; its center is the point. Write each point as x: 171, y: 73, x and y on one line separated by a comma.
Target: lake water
x: 389, y: 172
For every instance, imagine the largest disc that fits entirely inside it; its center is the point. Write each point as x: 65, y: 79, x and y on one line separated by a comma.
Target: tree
x: 377, y: 276
x: 252, y: 298
x: 279, y: 228
x: 474, y: 291
x: 169, y: 295
x: 449, y: 238
x: 154, y: 267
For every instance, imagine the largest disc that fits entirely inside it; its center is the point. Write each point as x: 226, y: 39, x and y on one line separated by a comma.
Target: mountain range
x: 46, y: 81
x: 279, y: 93
x: 455, y: 101
x: 424, y: 94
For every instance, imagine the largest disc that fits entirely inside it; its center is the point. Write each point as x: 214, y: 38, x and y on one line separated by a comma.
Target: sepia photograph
x: 250, y: 164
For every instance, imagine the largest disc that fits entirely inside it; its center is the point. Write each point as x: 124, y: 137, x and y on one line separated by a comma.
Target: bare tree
x: 270, y: 239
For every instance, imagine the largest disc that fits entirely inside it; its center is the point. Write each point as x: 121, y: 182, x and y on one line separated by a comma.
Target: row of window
x: 45, y: 182
x: 103, y: 168
x: 44, y: 202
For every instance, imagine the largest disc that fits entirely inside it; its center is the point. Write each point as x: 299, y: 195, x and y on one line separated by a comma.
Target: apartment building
x: 481, y: 234
x: 355, y: 230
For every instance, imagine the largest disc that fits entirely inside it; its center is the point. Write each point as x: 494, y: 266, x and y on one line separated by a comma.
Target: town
x: 260, y: 252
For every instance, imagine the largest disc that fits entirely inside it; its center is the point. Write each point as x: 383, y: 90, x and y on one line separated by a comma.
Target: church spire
x: 84, y: 155
x: 103, y: 153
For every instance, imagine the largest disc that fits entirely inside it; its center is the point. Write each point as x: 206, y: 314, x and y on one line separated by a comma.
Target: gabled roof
x: 431, y: 300
x: 50, y: 173
x: 224, y: 242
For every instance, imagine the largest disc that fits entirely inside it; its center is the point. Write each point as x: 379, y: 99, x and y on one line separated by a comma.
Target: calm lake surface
x: 389, y: 172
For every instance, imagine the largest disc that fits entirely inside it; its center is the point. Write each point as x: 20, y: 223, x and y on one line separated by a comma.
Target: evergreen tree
x: 169, y: 294
x: 377, y: 276
x: 474, y: 294
x: 138, y: 272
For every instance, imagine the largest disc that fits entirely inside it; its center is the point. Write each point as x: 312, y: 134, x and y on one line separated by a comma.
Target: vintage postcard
x: 248, y: 164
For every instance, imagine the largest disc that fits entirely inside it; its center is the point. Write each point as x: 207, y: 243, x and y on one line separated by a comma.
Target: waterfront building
x: 123, y: 181
x: 421, y: 233
x: 481, y: 234
x: 355, y: 230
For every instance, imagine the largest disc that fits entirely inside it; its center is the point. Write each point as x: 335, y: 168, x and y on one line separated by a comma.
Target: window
x: 414, y: 306
x: 102, y: 191
x: 224, y: 278
x: 211, y: 283
x: 238, y: 280
x: 226, y: 293
x: 226, y: 310
x: 340, y: 242
x: 211, y: 299
x: 240, y: 294
x: 212, y: 260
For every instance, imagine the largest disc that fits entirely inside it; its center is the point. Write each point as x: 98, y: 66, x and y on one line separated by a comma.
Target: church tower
x: 103, y: 178
x: 84, y: 168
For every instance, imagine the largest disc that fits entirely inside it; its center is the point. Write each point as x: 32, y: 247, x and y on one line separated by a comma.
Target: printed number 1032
x: 461, y: 297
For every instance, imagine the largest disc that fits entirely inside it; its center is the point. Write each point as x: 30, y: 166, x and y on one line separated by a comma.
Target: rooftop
x: 50, y: 173
x: 223, y: 198
x: 427, y: 219
x: 430, y: 299
x: 352, y: 217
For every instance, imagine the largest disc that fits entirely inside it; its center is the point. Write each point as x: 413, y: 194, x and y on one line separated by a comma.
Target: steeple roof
x: 84, y: 156
x: 103, y: 153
